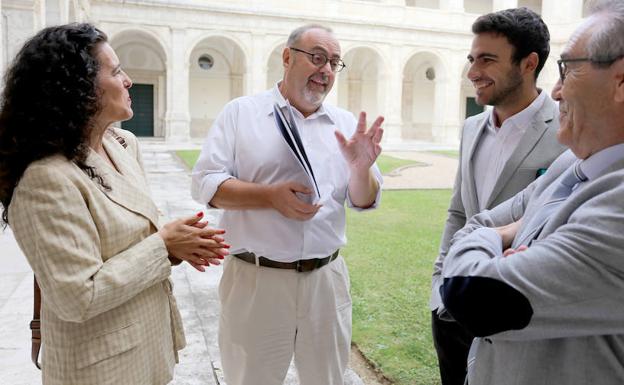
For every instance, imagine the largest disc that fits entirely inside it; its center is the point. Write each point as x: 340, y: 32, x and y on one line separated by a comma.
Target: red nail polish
x: 200, y: 214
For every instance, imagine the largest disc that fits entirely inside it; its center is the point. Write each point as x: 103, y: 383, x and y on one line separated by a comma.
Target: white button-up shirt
x: 496, y: 146
x: 245, y: 143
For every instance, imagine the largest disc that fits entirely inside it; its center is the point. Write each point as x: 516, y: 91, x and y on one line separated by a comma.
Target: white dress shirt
x: 245, y: 143
x: 496, y: 145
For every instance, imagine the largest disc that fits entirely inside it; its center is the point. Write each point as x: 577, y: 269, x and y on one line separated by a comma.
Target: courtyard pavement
x: 196, y: 293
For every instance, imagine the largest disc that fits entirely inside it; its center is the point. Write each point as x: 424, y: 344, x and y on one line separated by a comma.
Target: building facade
x: 406, y: 59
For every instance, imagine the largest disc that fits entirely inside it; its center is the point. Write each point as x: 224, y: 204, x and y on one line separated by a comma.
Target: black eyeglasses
x: 563, y: 67
x: 319, y: 60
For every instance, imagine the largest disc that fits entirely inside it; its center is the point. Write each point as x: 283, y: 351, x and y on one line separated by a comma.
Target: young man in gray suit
x: 547, y: 292
x: 502, y: 150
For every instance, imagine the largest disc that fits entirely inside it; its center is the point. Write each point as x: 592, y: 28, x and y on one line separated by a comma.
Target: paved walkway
x: 196, y: 292
x: 431, y: 171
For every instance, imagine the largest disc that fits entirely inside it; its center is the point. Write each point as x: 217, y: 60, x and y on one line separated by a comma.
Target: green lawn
x: 385, y: 163
x: 388, y: 163
x: 188, y: 156
x: 390, y: 256
x: 449, y: 153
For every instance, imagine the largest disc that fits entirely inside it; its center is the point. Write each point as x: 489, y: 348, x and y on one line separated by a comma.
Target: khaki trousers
x: 269, y: 314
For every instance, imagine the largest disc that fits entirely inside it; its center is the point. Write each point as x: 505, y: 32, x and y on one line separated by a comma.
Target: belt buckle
x: 299, y: 266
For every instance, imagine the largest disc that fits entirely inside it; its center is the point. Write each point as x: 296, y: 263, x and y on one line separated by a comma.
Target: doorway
x: 142, y: 123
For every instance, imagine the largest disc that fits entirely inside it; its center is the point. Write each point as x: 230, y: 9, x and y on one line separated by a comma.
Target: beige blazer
x: 108, y: 313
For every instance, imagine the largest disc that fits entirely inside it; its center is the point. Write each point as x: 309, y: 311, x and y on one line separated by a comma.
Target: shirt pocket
x: 107, y: 345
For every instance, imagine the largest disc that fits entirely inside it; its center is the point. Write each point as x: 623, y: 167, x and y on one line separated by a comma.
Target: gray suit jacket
x: 558, y: 313
x: 536, y: 150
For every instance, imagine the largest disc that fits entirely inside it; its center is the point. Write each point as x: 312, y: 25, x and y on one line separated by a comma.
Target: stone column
x: 354, y: 95
x: 236, y: 85
x: 64, y: 11
x: 392, y: 77
x: 2, y: 43
x: 256, y: 72
x: 332, y: 96
x: 177, y: 117
x: 498, y: 5
x: 453, y: 100
x: 407, y: 102
x: 39, y: 15
x: 452, y: 5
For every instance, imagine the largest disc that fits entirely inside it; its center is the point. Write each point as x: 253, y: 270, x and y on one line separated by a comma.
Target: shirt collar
x: 593, y: 166
x: 281, y: 102
x: 522, y: 119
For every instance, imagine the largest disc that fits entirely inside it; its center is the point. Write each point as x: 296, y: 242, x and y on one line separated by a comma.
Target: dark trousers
x: 452, y: 343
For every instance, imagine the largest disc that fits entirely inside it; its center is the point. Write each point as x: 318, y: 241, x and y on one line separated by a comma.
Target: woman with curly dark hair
x: 75, y: 194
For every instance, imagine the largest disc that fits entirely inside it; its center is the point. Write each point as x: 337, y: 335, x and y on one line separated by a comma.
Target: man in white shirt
x: 502, y: 149
x: 285, y: 290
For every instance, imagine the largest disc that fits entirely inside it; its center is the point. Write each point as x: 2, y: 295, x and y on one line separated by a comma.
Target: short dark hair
x: 48, y: 103
x: 524, y: 29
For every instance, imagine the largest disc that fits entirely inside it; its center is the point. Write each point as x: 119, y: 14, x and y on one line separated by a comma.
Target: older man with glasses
x: 280, y: 165
x: 550, y: 259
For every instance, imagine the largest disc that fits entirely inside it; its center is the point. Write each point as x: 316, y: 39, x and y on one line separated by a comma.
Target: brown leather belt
x: 302, y: 265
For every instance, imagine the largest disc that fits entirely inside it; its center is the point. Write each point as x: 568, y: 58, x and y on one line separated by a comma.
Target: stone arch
x: 422, y: 101
x: 359, y: 85
x: 275, y: 68
x: 143, y: 57
x: 218, y: 80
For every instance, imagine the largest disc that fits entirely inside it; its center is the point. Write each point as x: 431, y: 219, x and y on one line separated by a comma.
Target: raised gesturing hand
x: 363, y: 148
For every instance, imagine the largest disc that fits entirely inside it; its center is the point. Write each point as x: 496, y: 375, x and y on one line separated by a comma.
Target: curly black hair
x: 524, y: 29
x: 48, y: 103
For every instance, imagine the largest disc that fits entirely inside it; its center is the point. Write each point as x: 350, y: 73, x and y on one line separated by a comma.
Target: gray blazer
x: 537, y: 150
x: 571, y: 278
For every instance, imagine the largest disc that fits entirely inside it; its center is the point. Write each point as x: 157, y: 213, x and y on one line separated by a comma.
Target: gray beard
x: 314, y: 98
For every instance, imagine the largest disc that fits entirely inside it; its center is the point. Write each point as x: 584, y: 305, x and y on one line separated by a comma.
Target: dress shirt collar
x: 322, y: 111
x: 522, y: 119
x: 593, y: 166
